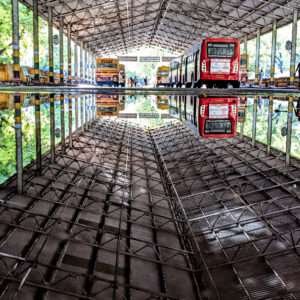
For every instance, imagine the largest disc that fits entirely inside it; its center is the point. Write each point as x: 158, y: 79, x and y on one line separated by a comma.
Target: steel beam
x: 69, y: 55
x: 289, y: 130
x: 62, y: 123
x: 36, y: 52
x: 70, y: 116
x: 76, y: 113
x: 294, y: 45
x: 50, y: 44
x: 86, y: 113
x: 81, y: 62
x: 18, y: 138
x: 76, y: 62
x: 257, y: 53
x: 270, y: 125
x: 85, y: 64
x: 15, y: 40
x: 52, y: 128
x: 61, y: 50
x: 273, y: 52
x: 254, y: 121
x: 82, y: 112
x: 88, y: 66
x: 245, y: 50
x: 38, y: 142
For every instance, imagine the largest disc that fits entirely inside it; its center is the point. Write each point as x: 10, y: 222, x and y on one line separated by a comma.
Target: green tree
x: 6, y: 31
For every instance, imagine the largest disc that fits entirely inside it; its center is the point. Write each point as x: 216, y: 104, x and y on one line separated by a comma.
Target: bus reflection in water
x: 107, y: 105
x: 162, y: 102
x: 218, y: 117
x: 211, y: 117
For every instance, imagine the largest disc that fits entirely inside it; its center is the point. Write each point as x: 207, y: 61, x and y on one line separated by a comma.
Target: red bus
x: 218, y: 117
x: 216, y: 62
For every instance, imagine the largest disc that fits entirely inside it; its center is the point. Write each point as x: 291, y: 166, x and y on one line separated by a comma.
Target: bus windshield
x: 107, y: 65
x: 163, y: 73
x: 107, y: 109
x: 220, y: 50
x: 217, y: 126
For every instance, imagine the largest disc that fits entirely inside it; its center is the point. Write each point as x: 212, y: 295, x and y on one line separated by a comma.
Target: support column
x: 52, y: 128
x: 94, y: 69
x: 82, y: 112
x: 62, y: 123
x: 91, y: 110
x: 94, y: 107
x: 38, y: 143
x: 76, y: 62
x: 289, y: 131
x: 36, y: 53
x: 257, y: 70
x: 254, y: 121
x: 180, y: 113
x: 245, y: 50
x: 86, y: 125
x: 88, y: 115
x: 88, y: 66
x: 273, y: 52
x: 15, y: 40
x: 61, y: 49
x: 242, y: 126
x: 50, y: 44
x: 243, y: 103
x: 69, y: 55
x: 85, y: 65
x: 70, y: 121
x: 270, y: 125
x: 19, y: 147
x: 76, y: 113
x: 81, y: 62
x: 294, y: 45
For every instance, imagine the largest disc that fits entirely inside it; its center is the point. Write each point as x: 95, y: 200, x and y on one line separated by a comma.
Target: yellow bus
x: 122, y: 77
x: 107, y: 105
x: 162, y: 76
x: 162, y: 102
x: 107, y: 71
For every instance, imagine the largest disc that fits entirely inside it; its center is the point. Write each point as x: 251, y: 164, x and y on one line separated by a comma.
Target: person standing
x: 135, y: 81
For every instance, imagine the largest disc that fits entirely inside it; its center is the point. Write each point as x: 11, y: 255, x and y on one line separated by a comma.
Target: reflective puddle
x: 46, y: 120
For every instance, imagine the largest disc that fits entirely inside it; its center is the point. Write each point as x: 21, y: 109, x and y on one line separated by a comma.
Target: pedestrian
x: 298, y: 70
x: 145, y: 81
x: 135, y: 81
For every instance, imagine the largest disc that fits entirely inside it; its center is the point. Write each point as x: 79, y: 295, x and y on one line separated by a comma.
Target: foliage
x: 279, y: 119
x: 5, y: 31
x: 26, y: 36
x: 7, y: 144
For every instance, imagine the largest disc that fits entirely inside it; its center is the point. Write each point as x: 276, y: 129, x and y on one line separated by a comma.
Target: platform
x: 131, y: 213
